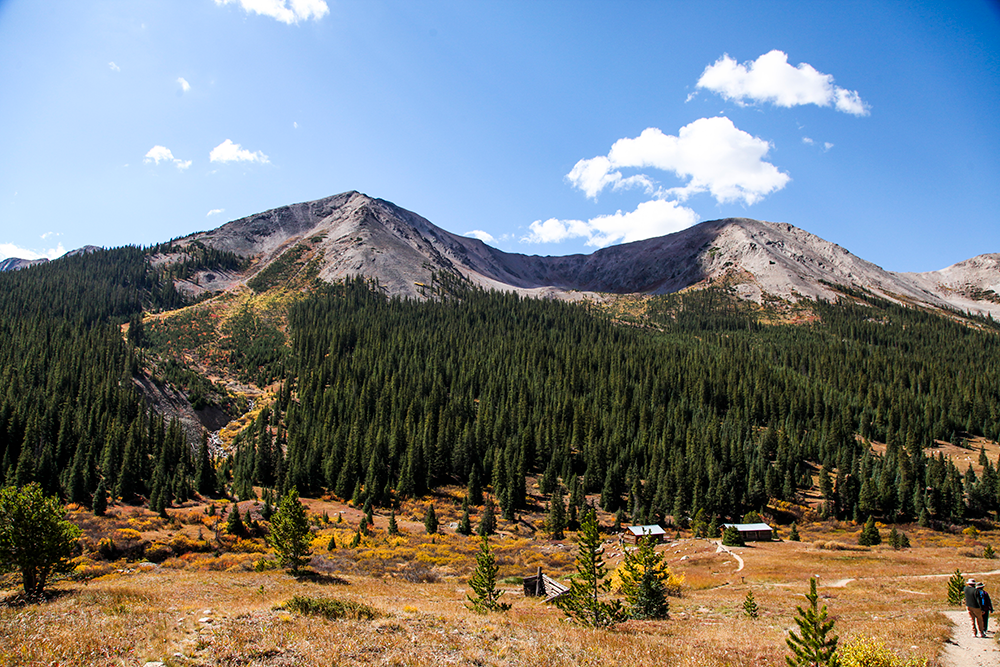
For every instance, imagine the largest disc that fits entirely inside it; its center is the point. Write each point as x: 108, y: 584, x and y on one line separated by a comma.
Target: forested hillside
x: 701, y: 407
x: 691, y: 403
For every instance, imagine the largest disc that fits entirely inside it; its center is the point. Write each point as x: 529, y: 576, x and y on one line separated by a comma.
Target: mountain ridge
x: 352, y: 234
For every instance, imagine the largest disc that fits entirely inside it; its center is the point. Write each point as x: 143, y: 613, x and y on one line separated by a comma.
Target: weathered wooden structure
x: 543, y: 585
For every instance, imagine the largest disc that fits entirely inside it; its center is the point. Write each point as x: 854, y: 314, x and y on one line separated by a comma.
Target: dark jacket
x: 971, y: 599
x: 985, y: 602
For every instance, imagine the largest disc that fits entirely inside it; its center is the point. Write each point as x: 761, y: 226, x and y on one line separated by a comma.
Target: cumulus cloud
x: 185, y: 86
x: 10, y: 250
x: 215, y: 211
x: 113, y: 67
x: 651, y: 218
x: 485, y: 237
x: 711, y: 154
x: 286, y: 11
x: 227, y: 151
x: 158, y: 154
x: 771, y: 79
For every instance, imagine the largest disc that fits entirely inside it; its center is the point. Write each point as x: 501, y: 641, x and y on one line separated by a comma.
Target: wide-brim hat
x: 971, y: 582
x: 980, y: 585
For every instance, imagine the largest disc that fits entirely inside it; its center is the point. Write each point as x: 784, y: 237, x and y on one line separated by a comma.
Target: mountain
x: 15, y: 263
x: 352, y: 234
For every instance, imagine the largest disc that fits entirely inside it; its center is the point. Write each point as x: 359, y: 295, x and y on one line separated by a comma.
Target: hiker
x: 975, y: 611
x: 985, y: 604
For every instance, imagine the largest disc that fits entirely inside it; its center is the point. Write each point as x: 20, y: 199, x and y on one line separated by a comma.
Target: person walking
x: 985, y: 604
x: 972, y: 605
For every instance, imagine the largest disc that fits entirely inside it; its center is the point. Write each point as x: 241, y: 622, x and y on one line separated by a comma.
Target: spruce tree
x: 793, y: 534
x: 100, y: 500
x: 488, y: 519
x: 234, y: 524
x: 290, y: 532
x: 431, y: 520
x: 731, y: 537
x: 393, y: 526
x: 332, y: 544
x: 583, y: 602
x: 555, y: 519
x: 813, y: 645
x: 869, y: 534
x: 485, y: 596
x: 464, y: 524
x: 643, y: 582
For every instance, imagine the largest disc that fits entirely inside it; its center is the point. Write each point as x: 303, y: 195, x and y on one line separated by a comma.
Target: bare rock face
x: 359, y: 235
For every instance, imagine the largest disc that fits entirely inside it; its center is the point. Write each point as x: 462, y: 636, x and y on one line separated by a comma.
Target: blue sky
x: 542, y: 127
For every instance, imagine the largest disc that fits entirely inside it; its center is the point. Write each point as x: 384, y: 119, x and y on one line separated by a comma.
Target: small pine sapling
x: 956, y: 588
x: 793, y: 535
x: 290, y: 532
x: 485, y: 596
x: 904, y: 541
x: 750, y: 607
x: 393, y: 526
x: 813, y: 645
x: 332, y: 544
x: 988, y: 552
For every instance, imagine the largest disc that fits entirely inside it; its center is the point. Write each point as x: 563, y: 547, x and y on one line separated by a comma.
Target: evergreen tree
x: 204, y: 472
x: 393, y: 526
x: 894, y: 538
x: 430, y: 520
x: 100, y: 500
x: 464, y: 524
x: 234, y: 524
x: 956, y: 588
x: 555, y: 519
x: 485, y: 597
x: 290, y: 532
x: 988, y: 552
x: 869, y: 534
x: 793, y: 534
x: 750, y: 607
x: 813, y: 645
x: 332, y: 544
x: 583, y: 602
x: 731, y: 537
x: 643, y: 582
x: 488, y: 520
x: 904, y: 541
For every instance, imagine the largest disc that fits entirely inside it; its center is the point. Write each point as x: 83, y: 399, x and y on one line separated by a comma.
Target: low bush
x: 330, y: 608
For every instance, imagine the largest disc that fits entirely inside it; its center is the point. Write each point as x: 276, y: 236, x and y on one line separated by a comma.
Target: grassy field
x: 202, y: 602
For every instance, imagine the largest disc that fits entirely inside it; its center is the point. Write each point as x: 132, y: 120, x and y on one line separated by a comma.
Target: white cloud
x: 295, y: 125
x: 286, y: 11
x: 215, y: 211
x: 485, y: 237
x: 48, y: 234
x: 185, y: 86
x: 651, y: 218
x: 827, y: 146
x: 10, y: 250
x: 807, y: 141
x: 711, y: 153
x: 227, y: 151
x: 114, y: 67
x: 158, y: 154
x: 771, y: 79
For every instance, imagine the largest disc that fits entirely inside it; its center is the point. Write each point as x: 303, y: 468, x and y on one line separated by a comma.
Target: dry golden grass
x: 122, y: 612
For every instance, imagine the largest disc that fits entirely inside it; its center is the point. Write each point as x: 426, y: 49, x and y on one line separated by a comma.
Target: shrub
x: 330, y: 608
x: 867, y: 652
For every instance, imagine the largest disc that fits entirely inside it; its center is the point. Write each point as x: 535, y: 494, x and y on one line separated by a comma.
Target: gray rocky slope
x: 359, y: 235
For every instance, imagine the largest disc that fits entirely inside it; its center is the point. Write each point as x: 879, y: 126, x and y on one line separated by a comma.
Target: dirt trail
x: 964, y: 650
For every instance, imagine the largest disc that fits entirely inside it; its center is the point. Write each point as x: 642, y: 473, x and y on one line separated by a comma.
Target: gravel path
x: 964, y: 650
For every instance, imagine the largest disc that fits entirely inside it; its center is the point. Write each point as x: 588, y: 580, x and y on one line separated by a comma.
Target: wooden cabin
x: 752, y: 532
x: 652, y: 532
